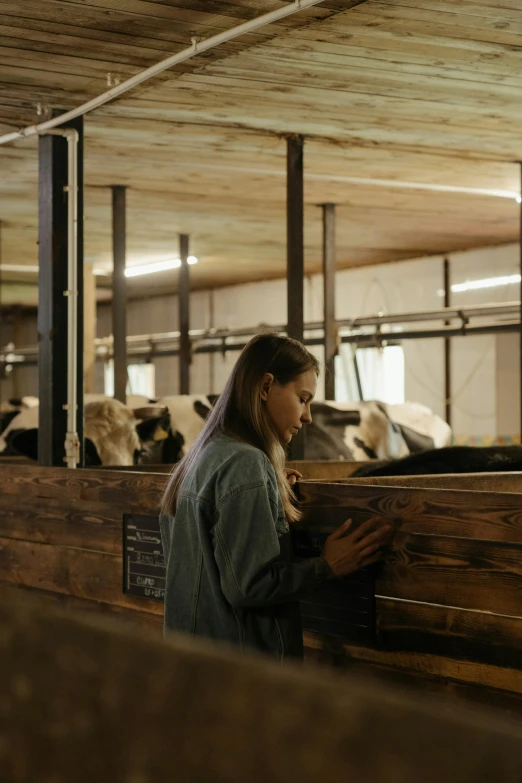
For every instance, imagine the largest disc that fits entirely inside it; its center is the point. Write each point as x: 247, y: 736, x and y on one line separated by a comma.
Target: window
x: 381, y: 372
x: 141, y: 379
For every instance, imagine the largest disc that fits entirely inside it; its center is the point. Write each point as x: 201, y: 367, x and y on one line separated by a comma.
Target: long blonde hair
x: 239, y: 411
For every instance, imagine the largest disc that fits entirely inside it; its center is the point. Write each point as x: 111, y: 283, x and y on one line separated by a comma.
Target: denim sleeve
x: 248, y: 555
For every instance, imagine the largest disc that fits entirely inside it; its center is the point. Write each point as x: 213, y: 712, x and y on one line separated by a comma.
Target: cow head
x: 113, y: 433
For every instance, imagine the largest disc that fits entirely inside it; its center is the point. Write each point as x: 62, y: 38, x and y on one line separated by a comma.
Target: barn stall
x: 376, y: 111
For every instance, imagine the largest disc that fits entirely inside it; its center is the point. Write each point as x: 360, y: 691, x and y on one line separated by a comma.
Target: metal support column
x: 295, y: 237
x: 119, y: 291
x: 520, y: 348
x: 330, y: 327
x: 447, y: 343
x: 52, y: 301
x: 184, y: 316
x: 295, y: 257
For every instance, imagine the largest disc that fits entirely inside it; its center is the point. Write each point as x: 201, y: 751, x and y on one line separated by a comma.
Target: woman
x: 226, y: 511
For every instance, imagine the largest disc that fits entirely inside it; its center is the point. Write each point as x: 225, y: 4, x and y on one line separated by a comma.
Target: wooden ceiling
x: 412, y: 91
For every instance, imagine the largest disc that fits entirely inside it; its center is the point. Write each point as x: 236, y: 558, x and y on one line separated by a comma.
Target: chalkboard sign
x: 143, y: 561
x: 343, y: 607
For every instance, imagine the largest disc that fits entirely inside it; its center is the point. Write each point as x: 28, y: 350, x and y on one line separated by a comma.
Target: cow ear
x: 149, y: 412
x: 25, y: 443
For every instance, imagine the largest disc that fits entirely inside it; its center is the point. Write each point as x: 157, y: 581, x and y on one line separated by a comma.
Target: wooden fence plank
x: 404, y: 626
x: 135, y: 491
x: 92, y: 525
x: 460, y: 572
x: 482, y: 482
x: 424, y: 663
x: 95, y: 576
x: 487, y: 515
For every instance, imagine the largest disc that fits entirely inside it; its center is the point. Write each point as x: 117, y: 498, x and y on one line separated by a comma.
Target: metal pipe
x: 72, y: 441
x: 196, y: 48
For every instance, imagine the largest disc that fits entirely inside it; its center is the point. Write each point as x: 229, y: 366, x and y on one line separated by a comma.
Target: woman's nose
x: 306, y: 418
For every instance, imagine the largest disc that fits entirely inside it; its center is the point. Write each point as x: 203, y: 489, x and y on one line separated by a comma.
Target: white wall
x: 484, y: 369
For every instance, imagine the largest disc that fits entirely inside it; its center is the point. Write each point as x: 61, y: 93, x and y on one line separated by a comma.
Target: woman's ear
x: 266, y: 384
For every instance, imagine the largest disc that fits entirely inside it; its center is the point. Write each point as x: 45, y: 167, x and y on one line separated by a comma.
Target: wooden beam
x: 119, y: 297
x: 330, y: 329
x: 184, y: 316
x: 89, y: 329
x: 52, y: 304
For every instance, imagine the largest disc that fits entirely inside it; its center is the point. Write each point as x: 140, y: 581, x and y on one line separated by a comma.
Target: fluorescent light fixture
x: 518, y: 199
x: 148, y: 269
x: 158, y: 266
x: 488, y: 282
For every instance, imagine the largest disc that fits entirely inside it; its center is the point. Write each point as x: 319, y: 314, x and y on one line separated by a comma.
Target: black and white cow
x: 454, y: 459
x: 115, y: 434
x: 372, y: 430
x: 186, y: 414
x: 350, y: 431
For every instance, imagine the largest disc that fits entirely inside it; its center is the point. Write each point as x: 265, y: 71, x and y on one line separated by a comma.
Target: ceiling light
x: 192, y: 260
x: 489, y: 282
x: 147, y: 269
x: 518, y: 199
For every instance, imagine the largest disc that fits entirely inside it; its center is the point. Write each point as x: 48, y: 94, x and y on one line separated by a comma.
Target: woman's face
x: 288, y: 407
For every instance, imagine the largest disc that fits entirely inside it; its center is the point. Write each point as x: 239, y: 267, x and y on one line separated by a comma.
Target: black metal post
x: 520, y: 347
x: 295, y: 237
x: 330, y: 327
x: 447, y: 343
x: 52, y: 303
x: 357, y: 373
x: 295, y: 257
x: 184, y: 316
x: 119, y: 291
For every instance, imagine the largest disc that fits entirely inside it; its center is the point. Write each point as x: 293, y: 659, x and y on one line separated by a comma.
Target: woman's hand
x: 346, y: 552
x: 292, y: 476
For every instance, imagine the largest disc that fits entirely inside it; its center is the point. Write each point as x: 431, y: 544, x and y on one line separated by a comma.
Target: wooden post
x: 184, y: 316
x: 52, y: 304
x: 447, y: 344
x: 89, y: 329
x: 119, y: 293
x: 295, y: 257
x: 330, y: 328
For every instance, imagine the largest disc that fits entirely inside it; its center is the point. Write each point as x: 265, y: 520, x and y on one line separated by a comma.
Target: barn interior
x: 345, y: 171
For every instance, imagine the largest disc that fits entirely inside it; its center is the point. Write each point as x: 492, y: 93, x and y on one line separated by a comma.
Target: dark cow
x: 454, y: 459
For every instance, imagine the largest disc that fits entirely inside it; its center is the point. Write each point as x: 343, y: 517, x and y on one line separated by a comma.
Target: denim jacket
x: 231, y: 575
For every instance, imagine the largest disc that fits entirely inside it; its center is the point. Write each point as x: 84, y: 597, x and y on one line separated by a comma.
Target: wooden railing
x: 447, y: 601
